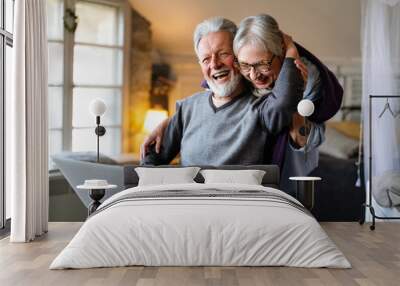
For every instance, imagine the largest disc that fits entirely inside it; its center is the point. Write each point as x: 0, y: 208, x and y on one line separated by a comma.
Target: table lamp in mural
x: 97, y: 107
x: 305, y: 108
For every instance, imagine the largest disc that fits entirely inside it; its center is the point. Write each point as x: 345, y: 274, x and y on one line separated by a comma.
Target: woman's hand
x: 303, y: 69
x: 155, y: 137
x: 298, y: 122
x: 289, y: 47
x: 292, y: 52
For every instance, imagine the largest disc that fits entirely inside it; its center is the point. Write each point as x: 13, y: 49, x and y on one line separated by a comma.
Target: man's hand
x: 155, y: 137
x: 294, y: 132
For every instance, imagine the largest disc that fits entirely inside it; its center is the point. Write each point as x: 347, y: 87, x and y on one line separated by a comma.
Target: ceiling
x: 329, y: 28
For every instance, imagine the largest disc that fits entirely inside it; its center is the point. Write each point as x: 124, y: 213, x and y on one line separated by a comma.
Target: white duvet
x: 183, y: 231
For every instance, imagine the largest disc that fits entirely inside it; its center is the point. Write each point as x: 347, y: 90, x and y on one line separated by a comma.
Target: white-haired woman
x: 260, y: 46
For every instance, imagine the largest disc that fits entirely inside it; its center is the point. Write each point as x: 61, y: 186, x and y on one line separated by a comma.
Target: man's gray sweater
x: 234, y: 133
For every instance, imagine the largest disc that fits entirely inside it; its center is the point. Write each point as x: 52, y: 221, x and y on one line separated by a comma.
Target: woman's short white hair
x: 211, y: 25
x: 261, y: 31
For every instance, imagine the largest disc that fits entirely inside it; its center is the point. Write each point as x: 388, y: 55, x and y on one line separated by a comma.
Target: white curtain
x: 26, y: 119
x: 380, y: 36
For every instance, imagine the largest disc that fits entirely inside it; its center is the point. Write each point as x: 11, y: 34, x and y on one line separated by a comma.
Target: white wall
x: 328, y: 28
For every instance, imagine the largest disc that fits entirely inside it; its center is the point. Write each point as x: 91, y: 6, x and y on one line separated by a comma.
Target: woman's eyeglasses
x: 261, y: 66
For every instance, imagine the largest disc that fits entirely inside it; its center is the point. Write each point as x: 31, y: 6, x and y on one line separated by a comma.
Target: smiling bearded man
x: 227, y: 125
x: 216, y: 60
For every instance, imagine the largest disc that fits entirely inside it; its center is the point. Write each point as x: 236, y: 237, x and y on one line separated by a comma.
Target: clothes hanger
x: 387, y: 107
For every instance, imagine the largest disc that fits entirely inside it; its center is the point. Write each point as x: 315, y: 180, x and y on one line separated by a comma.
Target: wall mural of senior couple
x: 255, y: 76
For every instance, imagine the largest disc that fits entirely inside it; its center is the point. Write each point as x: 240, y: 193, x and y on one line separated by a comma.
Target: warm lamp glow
x: 153, y: 118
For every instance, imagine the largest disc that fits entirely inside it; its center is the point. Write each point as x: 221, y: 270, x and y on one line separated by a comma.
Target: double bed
x: 199, y: 224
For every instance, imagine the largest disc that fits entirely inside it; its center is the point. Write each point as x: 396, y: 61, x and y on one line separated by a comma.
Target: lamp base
x: 96, y: 195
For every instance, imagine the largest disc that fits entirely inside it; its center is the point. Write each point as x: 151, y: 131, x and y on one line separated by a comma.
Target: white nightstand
x: 97, y: 189
x: 305, y: 190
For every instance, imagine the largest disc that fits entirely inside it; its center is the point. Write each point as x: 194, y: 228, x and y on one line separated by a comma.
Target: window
x: 85, y: 65
x: 350, y: 78
x: 97, y: 73
x: 55, y: 30
x: 6, y: 44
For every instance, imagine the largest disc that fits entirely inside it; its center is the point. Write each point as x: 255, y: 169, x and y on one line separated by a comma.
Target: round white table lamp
x: 97, y: 107
x: 305, y: 107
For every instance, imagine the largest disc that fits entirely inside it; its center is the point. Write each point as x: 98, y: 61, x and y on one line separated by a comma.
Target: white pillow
x: 248, y: 177
x: 163, y: 176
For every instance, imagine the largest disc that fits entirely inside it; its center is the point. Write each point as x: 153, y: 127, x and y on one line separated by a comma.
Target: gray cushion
x: 88, y: 156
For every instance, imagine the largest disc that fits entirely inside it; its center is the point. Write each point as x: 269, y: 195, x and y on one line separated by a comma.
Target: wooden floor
x: 374, y: 255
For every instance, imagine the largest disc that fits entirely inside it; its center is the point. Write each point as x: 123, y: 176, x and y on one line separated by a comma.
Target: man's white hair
x: 211, y: 25
x: 261, y: 31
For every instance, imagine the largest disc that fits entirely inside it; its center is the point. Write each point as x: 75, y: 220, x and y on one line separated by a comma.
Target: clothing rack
x: 369, y: 204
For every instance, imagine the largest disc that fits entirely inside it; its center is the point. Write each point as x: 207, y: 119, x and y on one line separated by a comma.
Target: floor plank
x: 374, y: 255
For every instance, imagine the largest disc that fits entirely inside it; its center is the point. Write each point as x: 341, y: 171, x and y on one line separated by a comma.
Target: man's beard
x: 226, y: 89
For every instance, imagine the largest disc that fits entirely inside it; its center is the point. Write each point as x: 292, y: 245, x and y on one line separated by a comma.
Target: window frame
x: 6, y: 39
x: 68, y: 66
